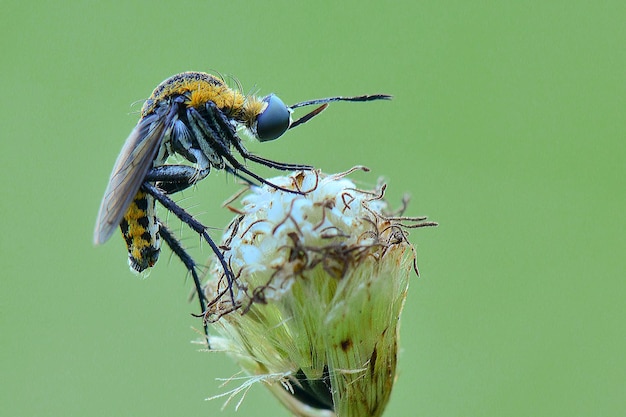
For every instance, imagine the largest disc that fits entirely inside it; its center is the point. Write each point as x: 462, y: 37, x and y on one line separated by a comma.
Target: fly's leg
x: 197, y: 227
x: 210, y: 129
x: 174, y: 178
x: 223, y: 125
x: 190, y: 264
x: 220, y: 119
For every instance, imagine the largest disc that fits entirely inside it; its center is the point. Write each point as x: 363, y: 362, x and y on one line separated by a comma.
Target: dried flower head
x: 321, y: 279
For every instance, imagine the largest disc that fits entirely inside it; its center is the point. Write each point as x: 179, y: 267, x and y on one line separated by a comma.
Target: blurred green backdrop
x: 507, y: 127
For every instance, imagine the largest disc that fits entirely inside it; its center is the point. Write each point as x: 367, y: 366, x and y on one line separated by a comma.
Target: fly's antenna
x: 324, y: 103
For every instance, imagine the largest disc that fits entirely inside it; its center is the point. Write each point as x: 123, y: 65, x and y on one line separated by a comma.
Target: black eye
x: 274, y: 120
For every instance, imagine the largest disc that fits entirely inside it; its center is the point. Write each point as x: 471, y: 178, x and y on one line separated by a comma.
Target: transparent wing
x: 131, y: 167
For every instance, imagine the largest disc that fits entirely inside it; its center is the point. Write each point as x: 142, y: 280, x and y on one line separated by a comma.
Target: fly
x: 196, y: 116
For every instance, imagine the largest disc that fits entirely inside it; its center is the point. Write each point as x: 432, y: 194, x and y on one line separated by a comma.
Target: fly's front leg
x: 208, y: 129
x: 224, y: 125
x: 174, y: 178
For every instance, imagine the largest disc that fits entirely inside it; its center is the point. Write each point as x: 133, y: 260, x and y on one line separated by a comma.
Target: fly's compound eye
x: 274, y: 120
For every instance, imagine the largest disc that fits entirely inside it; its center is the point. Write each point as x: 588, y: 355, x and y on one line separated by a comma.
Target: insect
x: 197, y: 116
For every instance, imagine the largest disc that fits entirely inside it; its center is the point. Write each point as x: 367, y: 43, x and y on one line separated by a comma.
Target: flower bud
x: 321, y: 276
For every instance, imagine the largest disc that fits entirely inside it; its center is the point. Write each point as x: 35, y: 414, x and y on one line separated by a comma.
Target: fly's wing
x: 131, y: 167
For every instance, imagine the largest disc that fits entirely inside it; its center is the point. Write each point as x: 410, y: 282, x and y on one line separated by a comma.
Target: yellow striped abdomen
x: 140, y: 229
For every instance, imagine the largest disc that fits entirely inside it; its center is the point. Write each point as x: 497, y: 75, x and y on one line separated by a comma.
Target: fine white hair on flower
x: 321, y: 275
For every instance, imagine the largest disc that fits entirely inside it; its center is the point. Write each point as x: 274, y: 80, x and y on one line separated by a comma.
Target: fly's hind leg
x: 190, y: 264
x: 197, y: 227
x: 174, y: 178
x: 171, y: 179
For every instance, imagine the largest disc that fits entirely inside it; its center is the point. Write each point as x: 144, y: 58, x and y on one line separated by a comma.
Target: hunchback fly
x: 196, y: 116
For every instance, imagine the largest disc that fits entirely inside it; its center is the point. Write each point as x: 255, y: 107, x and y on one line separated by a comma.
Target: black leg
x: 175, y: 178
x: 190, y: 264
x: 207, y: 131
x: 232, y: 171
x: 196, y: 226
x: 219, y: 119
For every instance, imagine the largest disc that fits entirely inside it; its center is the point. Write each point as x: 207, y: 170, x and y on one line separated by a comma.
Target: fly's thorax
x: 140, y: 228
x: 198, y: 88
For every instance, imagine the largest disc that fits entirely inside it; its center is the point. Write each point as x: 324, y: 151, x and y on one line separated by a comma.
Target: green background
x: 507, y: 126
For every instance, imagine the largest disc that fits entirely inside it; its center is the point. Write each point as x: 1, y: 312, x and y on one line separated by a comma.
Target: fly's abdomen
x: 140, y: 229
